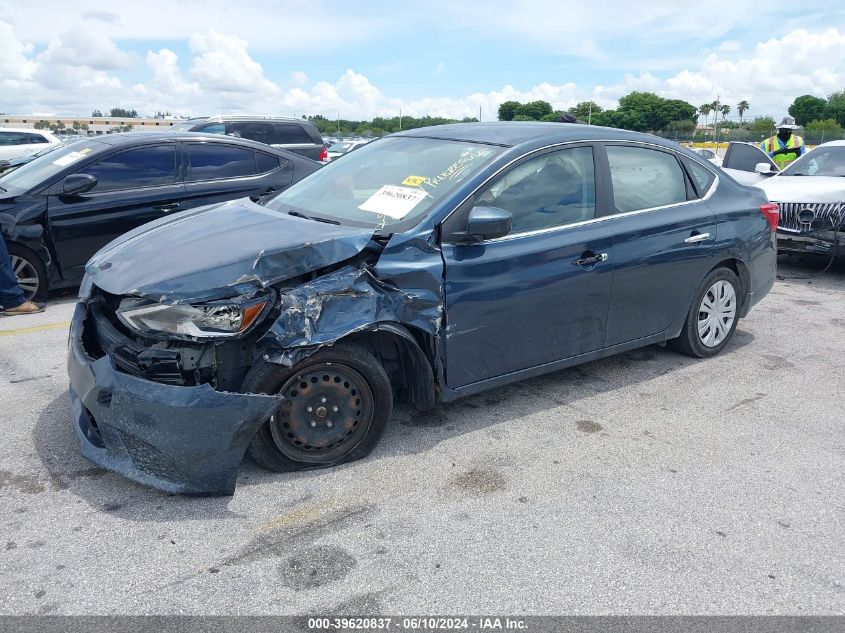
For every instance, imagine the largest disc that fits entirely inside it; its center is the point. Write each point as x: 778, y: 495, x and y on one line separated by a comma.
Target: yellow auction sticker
x: 413, y: 181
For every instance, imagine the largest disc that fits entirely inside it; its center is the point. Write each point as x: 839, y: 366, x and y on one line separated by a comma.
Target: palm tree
x: 714, y: 107
x: 704, y: 110
x: 742, y: 107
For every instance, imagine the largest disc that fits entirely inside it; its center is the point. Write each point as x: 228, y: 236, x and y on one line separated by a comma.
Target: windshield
x: 387, y: 182
x: 822, y: 161
x: 35, y: 172
x: 340, y: 147
x: 186, y: 126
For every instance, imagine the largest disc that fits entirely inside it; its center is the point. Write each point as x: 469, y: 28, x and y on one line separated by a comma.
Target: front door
x: 663, y: 236
x: 541, y: 293
x: 133, y: 187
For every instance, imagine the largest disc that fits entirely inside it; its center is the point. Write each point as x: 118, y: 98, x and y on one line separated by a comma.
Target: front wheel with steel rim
x: 713, y: 315
x: 30, y: 272
x: 337, y: 405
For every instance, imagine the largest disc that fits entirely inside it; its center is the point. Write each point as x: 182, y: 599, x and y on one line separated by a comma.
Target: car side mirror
x: 76, y: 184
x: 764, y: 169
x: 487, y: 223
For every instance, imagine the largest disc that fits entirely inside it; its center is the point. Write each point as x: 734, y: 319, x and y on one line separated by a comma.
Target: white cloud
x: 299, y: 78
x: 81, y: 69
x: 221, y: 62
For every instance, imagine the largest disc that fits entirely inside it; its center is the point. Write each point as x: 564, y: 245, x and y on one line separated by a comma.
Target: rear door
x: 134, y: 186
x: 663, y: 235
x: 541, y: 293
x: 217, y: 172
x: 295, y: 138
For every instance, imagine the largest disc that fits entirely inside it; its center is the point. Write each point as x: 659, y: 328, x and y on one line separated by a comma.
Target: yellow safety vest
x: 771, y: 144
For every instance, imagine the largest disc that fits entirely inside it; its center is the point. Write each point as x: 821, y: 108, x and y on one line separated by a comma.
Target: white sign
x: 72, y: 157
x: 394, y: 201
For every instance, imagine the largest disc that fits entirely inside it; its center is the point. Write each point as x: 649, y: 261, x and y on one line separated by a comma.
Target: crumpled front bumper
x: 188, y: 440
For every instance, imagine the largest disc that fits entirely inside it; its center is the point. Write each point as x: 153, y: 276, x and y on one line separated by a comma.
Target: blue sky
x: 438, y: 57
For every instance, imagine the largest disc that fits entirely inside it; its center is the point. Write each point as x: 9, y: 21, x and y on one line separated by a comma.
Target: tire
x: 707, y: 331
x: 30, y: 271
x: 343, y: 382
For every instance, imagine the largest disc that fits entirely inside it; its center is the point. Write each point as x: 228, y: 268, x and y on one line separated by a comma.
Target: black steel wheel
x: 337, y: 405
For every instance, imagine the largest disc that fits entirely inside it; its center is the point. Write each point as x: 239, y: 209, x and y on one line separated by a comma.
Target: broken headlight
x: 208, y: 320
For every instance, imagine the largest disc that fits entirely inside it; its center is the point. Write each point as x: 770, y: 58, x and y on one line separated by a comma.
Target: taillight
x: 772, y: 213
x: 324, y: 154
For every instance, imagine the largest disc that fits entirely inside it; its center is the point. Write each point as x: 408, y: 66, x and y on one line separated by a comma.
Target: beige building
x: 96, y: 125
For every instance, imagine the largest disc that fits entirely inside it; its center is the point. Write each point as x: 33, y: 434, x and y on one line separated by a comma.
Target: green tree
x: 41, y: 125
x: 584, y: 110
x: 508, y: 110
x: 762, y: 126
x: 742, y: 107
x: 821, y: 130
x: 96, y: 113
x: 76, y: 125
x: 58, y: 125
x: 835, y: 108
x: 123, y: 114
x: 807, y: 108
x: 535, y: 110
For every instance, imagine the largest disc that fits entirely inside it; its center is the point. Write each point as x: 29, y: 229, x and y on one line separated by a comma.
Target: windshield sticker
x: 460, y: 166
x: 393, y: 201
x: 72, y: 157
x: 413, y: 181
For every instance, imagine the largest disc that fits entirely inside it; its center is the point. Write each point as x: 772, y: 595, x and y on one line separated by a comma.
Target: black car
x: 425, y: 266
x: 295, y: 135
x: 61, y: 208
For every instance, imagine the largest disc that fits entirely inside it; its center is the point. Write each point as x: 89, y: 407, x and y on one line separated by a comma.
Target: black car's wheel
x: 338, y: 403
x: 30, y: 271
x: 713, y: 316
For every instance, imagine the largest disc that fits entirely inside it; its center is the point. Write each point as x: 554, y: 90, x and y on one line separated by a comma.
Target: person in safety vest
x: 785, y: 146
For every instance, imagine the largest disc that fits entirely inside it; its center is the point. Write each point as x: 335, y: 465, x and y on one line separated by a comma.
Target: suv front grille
x: 827, y: 216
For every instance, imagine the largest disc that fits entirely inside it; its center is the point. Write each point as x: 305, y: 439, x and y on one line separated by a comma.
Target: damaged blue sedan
x: 425, y: 266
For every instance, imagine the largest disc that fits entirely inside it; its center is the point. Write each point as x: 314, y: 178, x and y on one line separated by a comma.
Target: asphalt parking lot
x: 645, y: 483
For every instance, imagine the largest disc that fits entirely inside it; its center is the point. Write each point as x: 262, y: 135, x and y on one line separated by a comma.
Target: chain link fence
x: 812, y: 137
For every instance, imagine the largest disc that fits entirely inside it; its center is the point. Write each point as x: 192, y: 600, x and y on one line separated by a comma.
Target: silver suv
x: 295, y: 135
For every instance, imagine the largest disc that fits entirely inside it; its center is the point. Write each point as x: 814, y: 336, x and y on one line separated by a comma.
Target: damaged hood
x: 804, y: 188
x: 220, y: 251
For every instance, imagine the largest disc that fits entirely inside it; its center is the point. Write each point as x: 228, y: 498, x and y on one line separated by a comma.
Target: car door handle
x: 697, y: 237
x: 167, y: 208
x: 590, y: 260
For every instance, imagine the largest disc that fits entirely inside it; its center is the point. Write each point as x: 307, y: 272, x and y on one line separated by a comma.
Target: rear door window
x: 289, y: 134
x: 253, y: 131
x: 701, y: 177
x: 134, y: 168
x: 213, y: 161
x: 266, y: 162
x: 644, y: 178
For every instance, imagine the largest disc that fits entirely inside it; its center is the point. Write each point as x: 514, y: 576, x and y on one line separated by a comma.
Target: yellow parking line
x: 36, y: 328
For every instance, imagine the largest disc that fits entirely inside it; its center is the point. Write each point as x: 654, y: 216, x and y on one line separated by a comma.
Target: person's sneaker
x: 27, y: 307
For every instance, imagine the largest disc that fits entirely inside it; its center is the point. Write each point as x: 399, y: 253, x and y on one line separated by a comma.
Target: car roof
x: 140, y: 138
x: 831, y: 144
x: 512, y: 133
x: 251, y: 117
x: 29, y: 130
